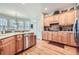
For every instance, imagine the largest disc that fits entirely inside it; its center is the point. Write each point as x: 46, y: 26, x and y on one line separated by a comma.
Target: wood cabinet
x: 72, y: 40
x: 50, y: 36
x: 67, y: 18
x: 51, y: 19
x: 0, y: 47
x: 47, y: 21
x: 64, y: 37
x: 61, y: 19
x: 55, y: 36
x: 34, y: 40
x: 8, y: 46
x: 19, y: 43
x: 71, y: 17
x: 59, y: 37
x: 45, y: 35
x: 56, y: 18
x: 64, y: 19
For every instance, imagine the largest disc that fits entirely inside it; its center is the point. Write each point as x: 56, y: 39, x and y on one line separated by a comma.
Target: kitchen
x: 39, y: 29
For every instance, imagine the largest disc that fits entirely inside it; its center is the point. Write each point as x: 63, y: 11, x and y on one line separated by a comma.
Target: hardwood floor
x: 45, y: 48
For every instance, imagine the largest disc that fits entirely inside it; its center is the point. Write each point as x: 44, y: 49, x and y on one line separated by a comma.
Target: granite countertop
x: 2, y: 36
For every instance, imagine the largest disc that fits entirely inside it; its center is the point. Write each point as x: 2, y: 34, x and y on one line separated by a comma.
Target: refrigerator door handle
x: 75, y: 28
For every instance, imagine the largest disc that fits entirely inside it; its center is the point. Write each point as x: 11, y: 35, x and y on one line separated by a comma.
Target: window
x: 20, y: 25
x: 27, y: 25
x: 12, y: 24
x: 3, y: 24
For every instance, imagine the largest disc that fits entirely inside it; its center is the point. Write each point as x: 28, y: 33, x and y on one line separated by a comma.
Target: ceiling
x: 31, y: 10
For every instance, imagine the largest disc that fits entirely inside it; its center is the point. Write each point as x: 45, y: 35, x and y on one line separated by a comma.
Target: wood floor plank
x: 44, y: 48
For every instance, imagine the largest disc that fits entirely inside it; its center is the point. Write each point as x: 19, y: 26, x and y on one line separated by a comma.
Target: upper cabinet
x: 67, y: 18
x: 64, y: 19
x: 71, y: 17
x: 46, y: 21
x: 55, y: 18
x: 61, y: 19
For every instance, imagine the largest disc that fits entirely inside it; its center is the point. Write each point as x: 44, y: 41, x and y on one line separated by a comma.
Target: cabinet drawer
x: 19, y: 36
x: 5, y: 40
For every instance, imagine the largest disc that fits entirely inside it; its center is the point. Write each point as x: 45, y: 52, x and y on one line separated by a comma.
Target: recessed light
x: 46, y: 9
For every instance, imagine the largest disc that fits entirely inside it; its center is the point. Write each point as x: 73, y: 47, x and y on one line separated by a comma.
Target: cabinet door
x: 72, y: 41
x: 65, y: 19
x: 50, y: 38
x: 55, y: 18
x: 51, y: 19
x: 19, y: 43
x: 5, y: 49
x: 64, y: 37
x: 45, y: 35
x: 12, y: 47
x: 61, y: 19
x: 55, y: 36
x: 59, y: 37
x: 71, y: 17
x: 46, y: 21
x: 8, y: 46
x: 33, y: 40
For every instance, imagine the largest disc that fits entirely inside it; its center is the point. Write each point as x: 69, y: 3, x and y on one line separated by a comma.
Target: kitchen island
x: 13, y: 43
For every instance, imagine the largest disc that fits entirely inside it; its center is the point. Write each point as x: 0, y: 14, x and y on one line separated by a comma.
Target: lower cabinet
x: 19, y: 43
x: 64, y: 37
x: 0, y: 47
x: 32, y: 40
x: 50, y: 36
x: 45, y: 35
x: 59, y: 37
x: 8, y: 46
x: 55, y: 36
x: 16, y: 43
x: 72, y: 40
